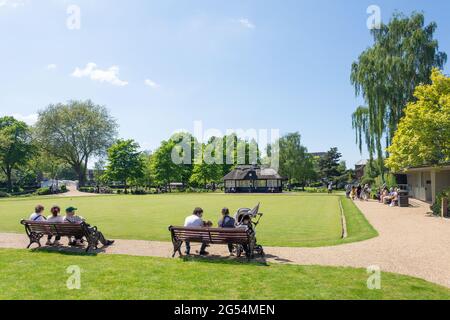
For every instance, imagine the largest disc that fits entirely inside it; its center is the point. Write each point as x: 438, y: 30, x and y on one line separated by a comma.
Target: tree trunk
x: 9, y: 179
x: 85, y: 168
x: 79, y: 171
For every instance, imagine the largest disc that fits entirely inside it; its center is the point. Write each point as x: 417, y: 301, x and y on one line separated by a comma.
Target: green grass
x: 301, y: 220
x: 42, y: 275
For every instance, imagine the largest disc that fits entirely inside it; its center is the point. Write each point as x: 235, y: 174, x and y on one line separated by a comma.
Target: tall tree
x: 423, y: 135
x: 208, y: 171
x: 295, y: 162
x: 165, y: 170
x: 75, y: 132
x: 15, y: 146
x: 385, y: 75
x: 329, y: 165
x: 124, y: 162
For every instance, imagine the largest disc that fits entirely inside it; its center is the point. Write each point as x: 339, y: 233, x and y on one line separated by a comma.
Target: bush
x: 4, y: 194
x: 87, y: 189
x: 316, y: 185
x: 138, y: 192
x: 43, y: 191
x: 316, y: 190
x: 63, y: 188
x: 437, y: 205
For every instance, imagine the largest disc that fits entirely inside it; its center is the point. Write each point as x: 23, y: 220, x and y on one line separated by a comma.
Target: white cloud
x: 52, y: 66
x: 30, y: 119
x: 152, y: 84
x: 246, y: 23
x: 12, y: 3
x: 110, y: 75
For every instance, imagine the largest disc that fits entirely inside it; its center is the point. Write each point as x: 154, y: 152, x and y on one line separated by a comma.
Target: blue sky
x: 161, y: 65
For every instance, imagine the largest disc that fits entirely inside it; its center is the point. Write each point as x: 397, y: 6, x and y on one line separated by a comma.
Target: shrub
x: 316, y: 190
x: 437, y: 205
x: 87, y: 189
x: 63, y: 188
x: 43, y: 191
x: 4, y: 194
x: 138, y: 192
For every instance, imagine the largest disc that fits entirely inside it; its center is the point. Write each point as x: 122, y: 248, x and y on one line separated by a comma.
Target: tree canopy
x: 294, y: 161
x: 330, y: 166
x: 386, y: 74
x: 125, y: 162
x: 15, y: 146
x: 423, y: 135
x: 75, y: 132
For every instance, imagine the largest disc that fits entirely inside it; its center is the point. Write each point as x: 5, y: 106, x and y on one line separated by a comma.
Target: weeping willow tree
x: 403, y: 55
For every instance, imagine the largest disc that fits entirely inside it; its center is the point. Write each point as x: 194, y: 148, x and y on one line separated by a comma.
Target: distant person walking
x: 330, y: 187
x: 348, y: 190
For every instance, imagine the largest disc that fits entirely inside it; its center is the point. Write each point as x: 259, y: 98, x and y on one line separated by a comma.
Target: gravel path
x: 410, y: 242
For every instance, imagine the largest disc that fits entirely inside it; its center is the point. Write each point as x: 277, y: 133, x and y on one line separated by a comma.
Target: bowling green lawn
x: 289, y: 220
x: 297, y: 220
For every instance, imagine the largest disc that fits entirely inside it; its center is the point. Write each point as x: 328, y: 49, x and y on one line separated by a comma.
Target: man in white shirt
x: 195, y: 221
x: 37, y: 214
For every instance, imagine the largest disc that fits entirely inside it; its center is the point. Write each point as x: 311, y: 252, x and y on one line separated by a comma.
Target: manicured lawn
x: 289, y: 220
x: 41, y: 275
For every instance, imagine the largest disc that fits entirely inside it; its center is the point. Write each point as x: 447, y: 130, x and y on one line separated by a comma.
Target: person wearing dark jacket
x: 227, y: 222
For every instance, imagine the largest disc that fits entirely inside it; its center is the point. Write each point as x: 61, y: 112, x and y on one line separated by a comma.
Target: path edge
x: 343, y: 220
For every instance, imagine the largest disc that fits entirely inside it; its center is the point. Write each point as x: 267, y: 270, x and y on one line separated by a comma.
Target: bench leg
x: 177, y: 248
x: 35, y: 238
x: 93, y: 239
x: 92, y: 244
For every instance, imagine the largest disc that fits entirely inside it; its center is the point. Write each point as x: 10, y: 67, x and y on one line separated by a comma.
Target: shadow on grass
x: 257, y: 261
x: 69, y: 251
x: 217, y: 259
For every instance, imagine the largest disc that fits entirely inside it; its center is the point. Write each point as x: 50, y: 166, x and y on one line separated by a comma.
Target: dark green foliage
x: 44, y: 191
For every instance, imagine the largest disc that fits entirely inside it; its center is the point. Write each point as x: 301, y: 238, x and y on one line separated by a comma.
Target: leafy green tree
x: 423, y: 135
x: 385, y: 75
x: 75, y: 132
x: 294, y: 161
x: 329, y: 165
x: 16, y: 146
x: 44, y: 165
x: 124, y: 162
x: 205, y: 173
x: 165, y: 170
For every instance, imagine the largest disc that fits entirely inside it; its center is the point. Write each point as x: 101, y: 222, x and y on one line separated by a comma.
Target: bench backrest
x: 211, y: 235
x: 55, y: 229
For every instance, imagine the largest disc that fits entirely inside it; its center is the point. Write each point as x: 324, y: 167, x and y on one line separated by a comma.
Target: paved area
x: 411, y: 242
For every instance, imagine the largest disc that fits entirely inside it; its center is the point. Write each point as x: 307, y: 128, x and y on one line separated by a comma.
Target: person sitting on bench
x: 227, y: 222
x: 37, y: 216
x: 54, y: 218
x: 195, y: 221
x: 71, y: 217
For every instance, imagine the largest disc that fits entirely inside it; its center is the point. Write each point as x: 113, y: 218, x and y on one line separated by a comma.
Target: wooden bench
x: 241, y: 237
x: 36, y: 230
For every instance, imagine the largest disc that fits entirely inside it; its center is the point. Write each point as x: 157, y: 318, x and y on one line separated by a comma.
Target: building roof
x: 440, y: 167
x: 261, y: 173
x: 362, y: 163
